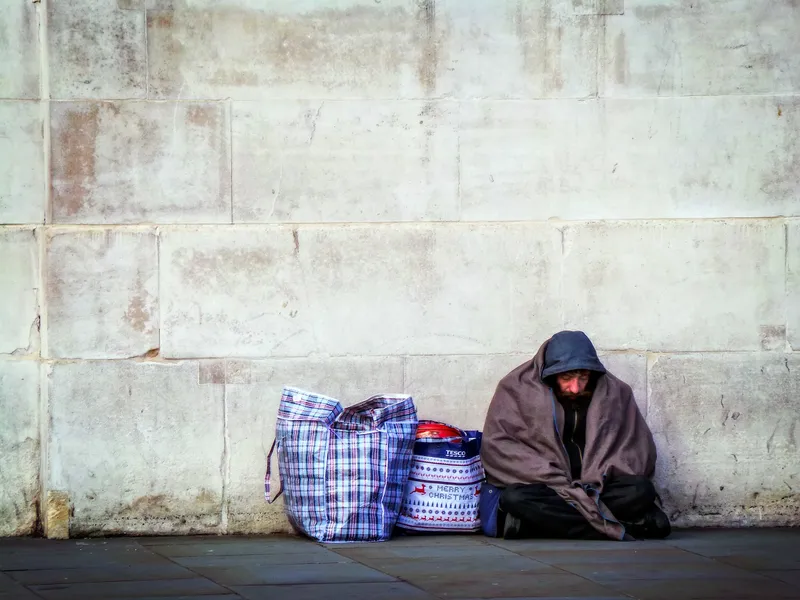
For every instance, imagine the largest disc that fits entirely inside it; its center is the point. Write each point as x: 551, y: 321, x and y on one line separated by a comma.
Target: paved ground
x: 761, y: 564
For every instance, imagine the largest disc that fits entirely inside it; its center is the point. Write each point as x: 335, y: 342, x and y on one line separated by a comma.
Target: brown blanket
x: 521, y: 443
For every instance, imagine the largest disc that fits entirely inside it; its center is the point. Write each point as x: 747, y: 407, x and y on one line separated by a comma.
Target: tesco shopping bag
x: 444, y: 485
x: 343, y: 471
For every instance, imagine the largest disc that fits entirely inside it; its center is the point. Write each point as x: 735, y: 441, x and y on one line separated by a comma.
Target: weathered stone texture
x: 138, y: 446
x: 19, y: 51
x: 345, y: 161
x: 793, y: 283
x: 513, y: 49
x: 725, y: 426
x: 140, y: 162
x: 675, y: 48
x: 21, y: 163
x: 19, y: 446
x: 431, y: 289
x: 19, y: 332
x: 358, y: 290
x: 102, y: 294
x: 56, y: 509
x: 696, y: 158
x: 234, y: 292
x: 528, y: 160
x: 253, y: 408
x: 350, y: 49
x: 360, y: 49
x: 678, y: 286
x: 599, y: 7
x: 96, y: 50
x: 630, y: 158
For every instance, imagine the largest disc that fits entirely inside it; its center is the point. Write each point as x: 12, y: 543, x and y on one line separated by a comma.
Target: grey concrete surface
x: 692, y: 564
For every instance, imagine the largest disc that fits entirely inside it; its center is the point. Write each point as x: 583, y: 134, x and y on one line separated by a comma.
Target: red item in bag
x: 431, y: 429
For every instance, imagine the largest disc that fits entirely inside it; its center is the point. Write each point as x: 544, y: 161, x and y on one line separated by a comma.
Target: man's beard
x: 580, y: 397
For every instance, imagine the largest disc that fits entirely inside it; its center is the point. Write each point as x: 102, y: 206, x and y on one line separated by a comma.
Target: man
x: 566, y: 451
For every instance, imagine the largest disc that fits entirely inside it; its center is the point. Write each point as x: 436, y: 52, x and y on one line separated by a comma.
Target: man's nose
x: 572, y: 386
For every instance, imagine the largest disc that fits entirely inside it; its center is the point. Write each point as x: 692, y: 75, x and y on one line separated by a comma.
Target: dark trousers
x: 543, y: 513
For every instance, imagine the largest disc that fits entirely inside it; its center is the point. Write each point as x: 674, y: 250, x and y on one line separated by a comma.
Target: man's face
x: 572, y: 384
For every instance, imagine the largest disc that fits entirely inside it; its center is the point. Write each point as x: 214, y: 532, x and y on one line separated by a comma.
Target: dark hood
x: 569, y: 351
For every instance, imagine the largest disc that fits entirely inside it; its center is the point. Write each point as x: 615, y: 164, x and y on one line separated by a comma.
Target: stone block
x: 599, y: 159
x: 252, y: 412
x: 102, y: 294
x: 234, y: 292
x: 137, y: 446
x: 342, y: 49
x: 793, y: 283
x: 56, y: 515
x: 19, y: 51
x: 513, y: 49
x: 433, y: 289
x: 669, y: 48
x: 19, y: 446
x: 137, y: 162
x: 345, y: 161
x: 529, y: 160
x: 458, y: 389
x: 696, y: 158
x: 96, y: 50
x: 680, y: 285
x: 364, y: 49
x: 21, y: 163
x: 359, y: 290
x: 19, y: 282
x: 599, y: 7
x: 725, y: 428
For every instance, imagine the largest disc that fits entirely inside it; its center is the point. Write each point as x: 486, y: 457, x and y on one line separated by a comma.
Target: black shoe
x: 512, y: 527
x: 653, y: 526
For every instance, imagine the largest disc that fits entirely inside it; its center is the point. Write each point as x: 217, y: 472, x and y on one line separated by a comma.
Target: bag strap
x: 267, y: 477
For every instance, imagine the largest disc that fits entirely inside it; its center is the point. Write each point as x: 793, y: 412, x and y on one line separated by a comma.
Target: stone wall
x: 203, y: 200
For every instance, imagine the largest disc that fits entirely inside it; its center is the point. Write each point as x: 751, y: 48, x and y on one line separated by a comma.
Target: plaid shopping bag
x: 343, y: 471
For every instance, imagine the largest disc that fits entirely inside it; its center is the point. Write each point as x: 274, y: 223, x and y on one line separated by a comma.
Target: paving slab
x: 297, y: 574
x: 128, y: 589
x: 792, y: 577
x: 351, y: 591
x: 624, y: 571
x: 263, y: 560
x: 697, y: 564
x: 691, y: 589
x: 100, y: 574
x: 264, y: 547
x: 664, y: 556
x: 11, y: 590
x: 480, y: 584
x: 204, y: 596
x: 78, y: 555
x: 433, y: 551
x: 443, y: 567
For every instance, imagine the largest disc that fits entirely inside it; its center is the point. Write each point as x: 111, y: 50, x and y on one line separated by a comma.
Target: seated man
x: 566, y: 451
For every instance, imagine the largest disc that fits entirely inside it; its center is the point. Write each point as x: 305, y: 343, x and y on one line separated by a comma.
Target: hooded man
x: 567, y: 453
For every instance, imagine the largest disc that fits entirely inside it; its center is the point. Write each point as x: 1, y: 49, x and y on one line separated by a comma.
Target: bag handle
x: 267, y: 495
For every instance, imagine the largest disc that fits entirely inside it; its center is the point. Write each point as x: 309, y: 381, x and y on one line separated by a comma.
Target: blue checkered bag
x: 343, y: 472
